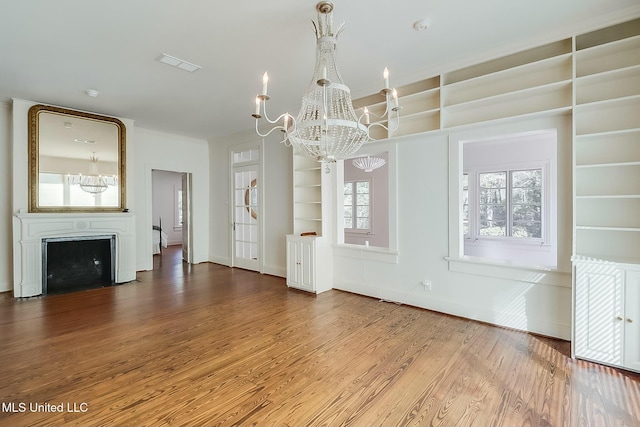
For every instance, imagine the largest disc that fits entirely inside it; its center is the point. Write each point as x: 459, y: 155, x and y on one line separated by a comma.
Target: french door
x: 246, y: 217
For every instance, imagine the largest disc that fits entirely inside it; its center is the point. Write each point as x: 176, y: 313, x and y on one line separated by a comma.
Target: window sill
x: 358, y: 232
x: 369, y: 253
x: 508, y: 270
x: 511, y: 241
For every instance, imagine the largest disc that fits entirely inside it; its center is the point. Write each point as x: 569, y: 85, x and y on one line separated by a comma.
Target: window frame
x: 354, y: 207
x: 474, y: 202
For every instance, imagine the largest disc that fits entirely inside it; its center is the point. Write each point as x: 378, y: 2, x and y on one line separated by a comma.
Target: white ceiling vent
x: 177, y: 62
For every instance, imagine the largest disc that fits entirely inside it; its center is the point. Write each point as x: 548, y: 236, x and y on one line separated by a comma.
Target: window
x: 504, y: 202
x: 508, y: 204
x: 178, y: 208
x: 357, y: 202
x: 465, y: 206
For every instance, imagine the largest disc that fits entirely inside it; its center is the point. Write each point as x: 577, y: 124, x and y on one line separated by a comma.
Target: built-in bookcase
x: 596, y: 76
x: 607, y: 144
x: 528, y: 82
x: 307, y: 195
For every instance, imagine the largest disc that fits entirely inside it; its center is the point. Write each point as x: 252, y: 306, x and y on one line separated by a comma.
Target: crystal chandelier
x: 93, y: 182
x: 369, y: 164
x: 327, y: 127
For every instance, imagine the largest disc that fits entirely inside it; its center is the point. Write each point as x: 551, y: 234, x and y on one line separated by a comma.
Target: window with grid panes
x: 510, y: 203
x: 357, y: 205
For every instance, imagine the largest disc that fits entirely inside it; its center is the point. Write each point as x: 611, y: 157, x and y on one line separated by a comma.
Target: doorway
x: 171, y: 213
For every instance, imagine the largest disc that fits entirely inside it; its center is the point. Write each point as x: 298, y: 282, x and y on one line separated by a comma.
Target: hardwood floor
x: 207, y: 345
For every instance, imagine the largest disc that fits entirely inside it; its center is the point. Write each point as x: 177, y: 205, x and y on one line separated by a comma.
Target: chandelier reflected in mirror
x: 327, y: 128
x: 93, y: 182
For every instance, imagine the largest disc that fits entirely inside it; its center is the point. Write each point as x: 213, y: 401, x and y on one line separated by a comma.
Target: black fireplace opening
x: 72, y: 264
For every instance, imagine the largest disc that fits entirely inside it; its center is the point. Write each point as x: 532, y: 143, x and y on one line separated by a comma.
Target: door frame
x: 149, y: 213
x: 261, y: 202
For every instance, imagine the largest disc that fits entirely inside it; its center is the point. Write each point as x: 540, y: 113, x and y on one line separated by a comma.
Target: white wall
x: 158, y: 150
x: 164, y: 184
x: 277, y: 196
x: 423, y: 245
x: 6, y: 268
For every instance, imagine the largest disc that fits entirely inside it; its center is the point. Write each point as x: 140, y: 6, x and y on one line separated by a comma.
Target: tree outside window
x: 510, y: 203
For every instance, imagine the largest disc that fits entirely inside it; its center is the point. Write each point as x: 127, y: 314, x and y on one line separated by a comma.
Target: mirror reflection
x: 366, y: 200
x: 76, y: 161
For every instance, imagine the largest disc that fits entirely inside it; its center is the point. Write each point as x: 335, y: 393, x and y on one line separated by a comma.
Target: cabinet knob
x: 629, y: 320
x: 618, y: 318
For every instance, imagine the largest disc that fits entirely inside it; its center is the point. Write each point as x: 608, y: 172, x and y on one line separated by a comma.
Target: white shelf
x: 527, y: 76
x: 608, y: 212
x: 607, y: 148
x: 607, y: 165
x: 596, y: 257
x: 608, y: 57
x: 530, y: 56
x: 610, y: 85
x: 608, y: 243
x: 610, y: 196
x: 534, y: 100
x: 615, y: 115
x: 420, y: 102
x: 609, y: 181
x: 419, y: 123
x: 591, y: 227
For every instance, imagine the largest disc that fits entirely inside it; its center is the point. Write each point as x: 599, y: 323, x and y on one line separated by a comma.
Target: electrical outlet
x: 426, y: 284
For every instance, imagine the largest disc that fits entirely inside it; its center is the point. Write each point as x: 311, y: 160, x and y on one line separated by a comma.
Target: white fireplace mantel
x: 30, y: 228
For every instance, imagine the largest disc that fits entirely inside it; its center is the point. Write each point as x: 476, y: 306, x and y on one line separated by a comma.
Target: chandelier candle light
x: 327, y: 128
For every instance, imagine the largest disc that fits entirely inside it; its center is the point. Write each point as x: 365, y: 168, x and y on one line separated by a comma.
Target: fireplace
x: 77, y: 263
x: 31, y: 229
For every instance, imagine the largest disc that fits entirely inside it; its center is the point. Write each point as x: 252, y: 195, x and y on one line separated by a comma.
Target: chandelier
x: 327, y: 127
x: 93, y: 182
x: 368, y: 164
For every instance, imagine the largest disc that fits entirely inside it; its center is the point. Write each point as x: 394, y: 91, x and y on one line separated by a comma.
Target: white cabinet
x: 599, y: 307
x: 308, y: 263
x: 301, y: 262
x: 607, y: 305
x: 632, y: 321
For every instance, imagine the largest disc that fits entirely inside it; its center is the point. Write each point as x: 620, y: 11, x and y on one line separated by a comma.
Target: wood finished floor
x: 208, y: 345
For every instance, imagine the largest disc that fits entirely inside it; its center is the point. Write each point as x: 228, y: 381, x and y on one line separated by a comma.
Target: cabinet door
x: 293, y: 265
x: 632, y: 321
x: 599, y: 309
x: 307, y: 265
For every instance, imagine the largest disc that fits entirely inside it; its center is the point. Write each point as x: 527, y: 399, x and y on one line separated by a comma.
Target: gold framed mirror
x: 76, y: 161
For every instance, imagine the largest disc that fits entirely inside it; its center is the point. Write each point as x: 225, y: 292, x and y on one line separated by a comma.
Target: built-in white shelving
x: 607, y: 144
x: 307, y: 196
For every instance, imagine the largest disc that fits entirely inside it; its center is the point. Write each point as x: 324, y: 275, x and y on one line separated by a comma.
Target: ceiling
x: 52, y: 51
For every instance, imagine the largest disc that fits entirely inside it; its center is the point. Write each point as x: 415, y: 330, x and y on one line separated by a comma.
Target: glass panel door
x: 246, y: 214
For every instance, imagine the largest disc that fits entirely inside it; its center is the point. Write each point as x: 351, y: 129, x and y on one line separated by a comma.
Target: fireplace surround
x: 29, y: 230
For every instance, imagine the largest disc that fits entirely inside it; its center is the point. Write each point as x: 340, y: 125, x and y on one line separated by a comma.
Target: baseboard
x: 275, y: 271
x: 482, y: 314
x: 6, y: 286
x: 220, y: 260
